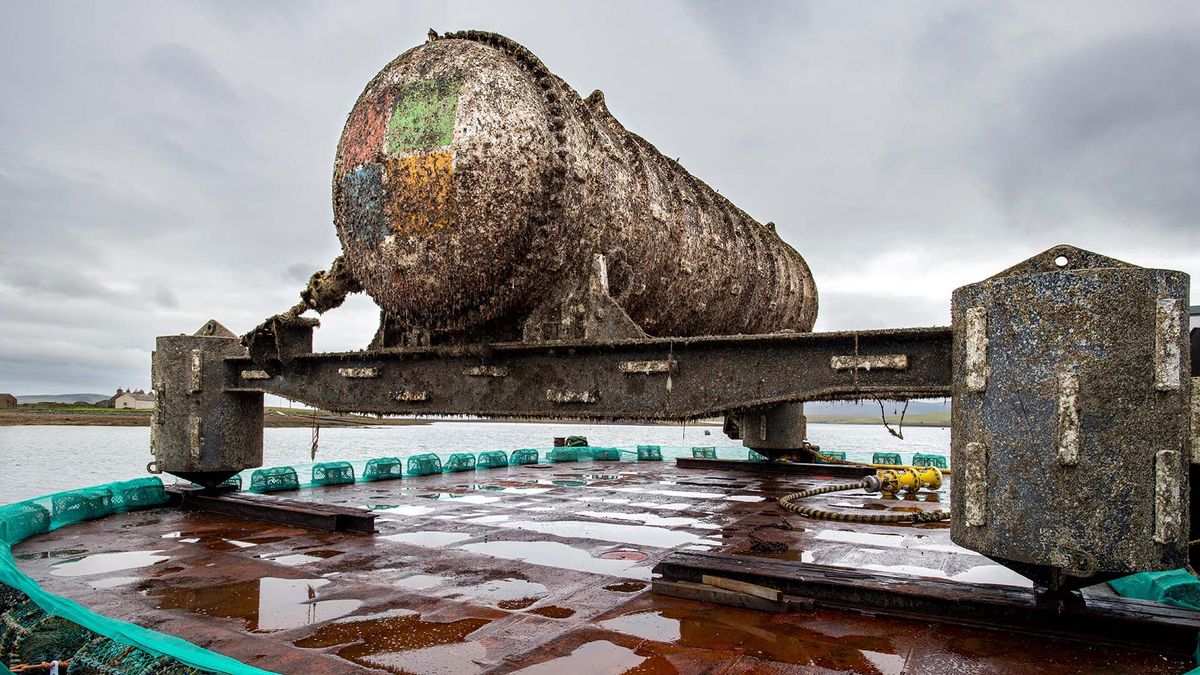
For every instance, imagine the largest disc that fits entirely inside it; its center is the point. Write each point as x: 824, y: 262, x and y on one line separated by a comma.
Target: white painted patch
x: 976, y: 349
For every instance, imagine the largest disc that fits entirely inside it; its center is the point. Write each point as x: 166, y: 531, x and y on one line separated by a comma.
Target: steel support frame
x: 641, y: 379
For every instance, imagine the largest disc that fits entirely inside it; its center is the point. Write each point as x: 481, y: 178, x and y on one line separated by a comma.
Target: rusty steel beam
x: 649, y: 379
x: 311, y: 515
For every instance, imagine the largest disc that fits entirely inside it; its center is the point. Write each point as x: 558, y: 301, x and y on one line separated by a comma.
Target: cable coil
x: 788, y: 502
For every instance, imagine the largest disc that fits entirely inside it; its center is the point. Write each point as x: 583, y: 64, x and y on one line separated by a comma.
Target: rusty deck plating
x: 536, y: 566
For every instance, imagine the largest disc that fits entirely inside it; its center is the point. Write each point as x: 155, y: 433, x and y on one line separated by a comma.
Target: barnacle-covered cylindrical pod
x: 470, y: 181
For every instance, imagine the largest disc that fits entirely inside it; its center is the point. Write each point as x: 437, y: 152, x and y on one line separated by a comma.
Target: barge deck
x: 543, y: 569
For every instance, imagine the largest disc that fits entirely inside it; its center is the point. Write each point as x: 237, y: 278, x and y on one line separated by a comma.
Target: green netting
x: 424, y: 465
x: 830, y: 455
x: 234, y: 481
x: 383, y: 468
x: 704, y: 453
x: 274, y: 479
x: 29, y: 635
x: 9, y: 598
x: 649, y: 453
x: 103, y: 656
x: 23, y: 520
x: 139, y: 493
x: 938, y: 461
x: 523, y: 456
x: 755, y: 457
x: 606, y: 454
x: 459, y: 461
x: 892, y: 458
x: 577, y: 441
x: 492, y: 458
x: 569, y: 454
x: 332, y: 473
x: 56, y: 621
x: 1173, y: 587
x: 79, y: 505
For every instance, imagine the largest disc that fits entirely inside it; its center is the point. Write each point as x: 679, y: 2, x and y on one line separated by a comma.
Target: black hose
x: 918, y: 517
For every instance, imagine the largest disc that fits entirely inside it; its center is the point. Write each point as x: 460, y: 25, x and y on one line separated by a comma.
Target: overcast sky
x: 166, y: 163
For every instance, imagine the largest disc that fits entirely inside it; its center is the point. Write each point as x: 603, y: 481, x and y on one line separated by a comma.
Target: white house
x: 134, y: 399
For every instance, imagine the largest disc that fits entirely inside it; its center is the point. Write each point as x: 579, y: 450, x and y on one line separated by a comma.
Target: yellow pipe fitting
x: 909, y: 479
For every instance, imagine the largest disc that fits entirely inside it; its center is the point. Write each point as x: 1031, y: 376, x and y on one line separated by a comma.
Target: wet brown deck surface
x: 541, y: 568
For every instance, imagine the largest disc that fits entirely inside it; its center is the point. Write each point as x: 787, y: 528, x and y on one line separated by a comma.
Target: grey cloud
x: 1108, y: 128
x: 299, y: 273
x: 750, y: 32
x: 183, y: 69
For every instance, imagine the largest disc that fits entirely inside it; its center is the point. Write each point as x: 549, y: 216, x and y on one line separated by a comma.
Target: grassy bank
x: 935, y: 419
x: 86, y: 415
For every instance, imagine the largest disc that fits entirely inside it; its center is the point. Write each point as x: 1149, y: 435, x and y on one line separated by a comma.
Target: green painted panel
x: 423, y: 116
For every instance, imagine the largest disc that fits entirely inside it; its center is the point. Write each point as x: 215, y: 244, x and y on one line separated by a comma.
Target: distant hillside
x: 871, y: 408
x: 63, y: 398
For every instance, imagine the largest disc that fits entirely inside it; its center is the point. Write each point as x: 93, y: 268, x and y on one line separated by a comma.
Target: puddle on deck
x: 100, y: 563
x: 421, y: 582
x: 291, y: 560
x: 507, y: 593
x: 465, y: 499
x: 637, y: 535
x: 773, y: 637
x: 399, y: 641
x: 263, y: 605
x: 600, y: 656
x: 562, y: 556
x: 651, y: 519
x: 402, y: 509
x: 508, y: 489
x: 428, y: 538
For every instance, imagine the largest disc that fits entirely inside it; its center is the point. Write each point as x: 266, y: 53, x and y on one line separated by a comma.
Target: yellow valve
x: 909, y: 479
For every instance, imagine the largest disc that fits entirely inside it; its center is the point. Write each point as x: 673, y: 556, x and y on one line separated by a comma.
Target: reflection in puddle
x: 465, y: 499
x: 403, y: 643
x: 420, y: 582
x: 762, y: 635
x: 503, y: 590
x: 510, y: 490
x: 646, y: 625
x: 887, y: 541
x: 744, y: 498
x: 652, y: 519
x: 266, y: 604
x: 485, y: 520
x: 562, y: 556
x: 639, y: 535
x: 673, y: 493
x: 428, y: 538
x: 98, y: 563
x: 980, y: 574
x: 600, y: 656
x: 404, y: 510
x: 304, y: 558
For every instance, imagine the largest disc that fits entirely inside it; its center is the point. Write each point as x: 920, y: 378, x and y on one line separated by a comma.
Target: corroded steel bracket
x: 1071, y: 432
x: 647, y: 379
